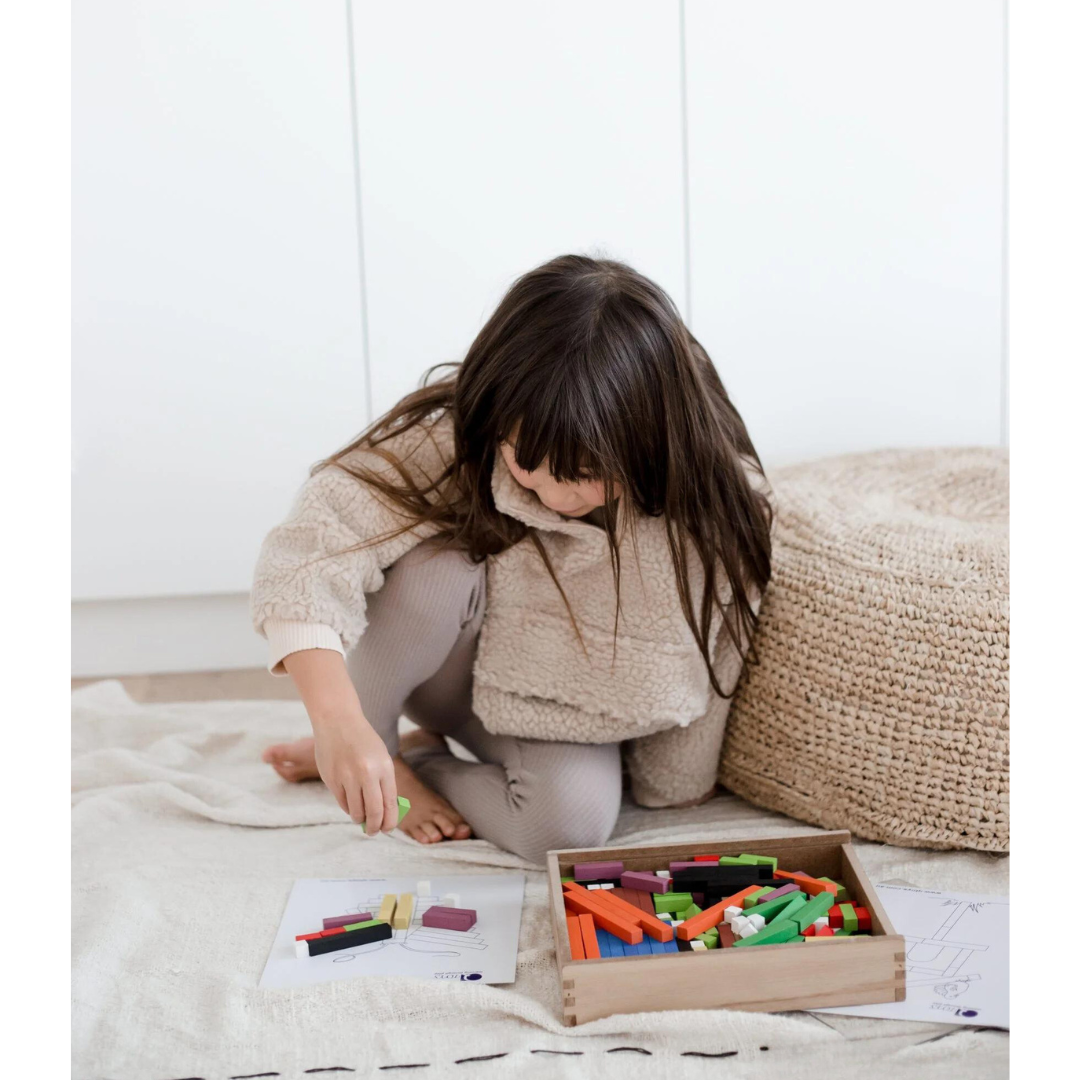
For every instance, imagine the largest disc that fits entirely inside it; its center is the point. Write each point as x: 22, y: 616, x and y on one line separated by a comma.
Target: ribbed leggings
x: 415, y: 659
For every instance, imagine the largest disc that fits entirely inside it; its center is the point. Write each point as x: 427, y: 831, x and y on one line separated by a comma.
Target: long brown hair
x: 587, y: 364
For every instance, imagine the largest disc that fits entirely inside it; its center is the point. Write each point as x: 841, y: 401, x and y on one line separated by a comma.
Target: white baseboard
x: 163, y: 634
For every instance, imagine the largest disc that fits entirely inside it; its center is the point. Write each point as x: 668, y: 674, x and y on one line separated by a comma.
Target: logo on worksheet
x: 968, y: 1013
x: 463, y: 976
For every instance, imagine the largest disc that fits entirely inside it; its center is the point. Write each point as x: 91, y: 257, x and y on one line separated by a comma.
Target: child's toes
x: 425, y: 832
x: 462, y: 832
x: 433, y: 833
x: 444, y: 823
x: 277, y: 755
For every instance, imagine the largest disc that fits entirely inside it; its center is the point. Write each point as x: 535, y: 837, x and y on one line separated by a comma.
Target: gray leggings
x: 416, y: 658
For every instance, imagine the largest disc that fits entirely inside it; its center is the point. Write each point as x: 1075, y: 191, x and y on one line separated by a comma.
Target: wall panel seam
x: 684, y: 107
x: 1005, y: 223
x: 360, y: 251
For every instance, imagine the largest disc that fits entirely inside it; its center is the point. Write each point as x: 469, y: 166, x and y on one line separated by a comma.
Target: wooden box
x: 767, y: 978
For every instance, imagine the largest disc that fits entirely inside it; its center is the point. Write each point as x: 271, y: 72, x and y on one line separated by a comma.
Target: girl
x: 560, y: 545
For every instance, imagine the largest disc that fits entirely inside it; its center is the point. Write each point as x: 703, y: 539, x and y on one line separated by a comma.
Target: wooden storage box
x: 766, y: 978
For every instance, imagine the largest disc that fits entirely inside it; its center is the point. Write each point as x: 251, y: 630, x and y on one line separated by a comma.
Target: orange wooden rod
x: 604, y: 917
x: 712, y: 916
x: 588, y: 937
x: 573, y: 928
x: 654, y: 927
x: 810, y: 886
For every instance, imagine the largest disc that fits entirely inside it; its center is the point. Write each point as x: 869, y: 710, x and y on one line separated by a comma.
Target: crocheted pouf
x: 881, y: 700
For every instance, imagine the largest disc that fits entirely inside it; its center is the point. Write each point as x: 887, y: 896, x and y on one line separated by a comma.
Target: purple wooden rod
x: 449, y: 918
x: 439, y: 909
x: 346, y: 920
x: 636, y: 879
x: 687, y: 865
x: 777, y: 893
x: 464, y: 921
x: 593, y: 871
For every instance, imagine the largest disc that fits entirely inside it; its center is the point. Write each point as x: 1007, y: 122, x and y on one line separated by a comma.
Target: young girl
x: 559, y: 546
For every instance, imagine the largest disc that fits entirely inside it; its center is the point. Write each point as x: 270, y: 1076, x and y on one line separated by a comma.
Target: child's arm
x: 316, y: 568
x: 352, y: 760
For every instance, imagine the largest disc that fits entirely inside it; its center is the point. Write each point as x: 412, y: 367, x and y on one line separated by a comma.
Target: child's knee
x: 430, y: 576
x: 584, y: 819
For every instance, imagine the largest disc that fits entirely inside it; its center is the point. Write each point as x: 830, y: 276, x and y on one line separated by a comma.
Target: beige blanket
x: 185, y: 847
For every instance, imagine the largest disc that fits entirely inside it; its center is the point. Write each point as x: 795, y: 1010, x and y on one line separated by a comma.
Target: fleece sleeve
x: 315, y: 568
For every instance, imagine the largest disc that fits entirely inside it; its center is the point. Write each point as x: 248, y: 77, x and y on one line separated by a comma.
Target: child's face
x: 569, y: 499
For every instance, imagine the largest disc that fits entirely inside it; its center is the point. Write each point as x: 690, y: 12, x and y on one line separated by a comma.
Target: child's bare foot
x: 293, y: 761
x: 431, y: 817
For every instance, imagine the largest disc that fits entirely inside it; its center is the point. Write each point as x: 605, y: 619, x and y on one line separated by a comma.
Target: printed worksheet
x: 957, y: 958
x: 485, y: 953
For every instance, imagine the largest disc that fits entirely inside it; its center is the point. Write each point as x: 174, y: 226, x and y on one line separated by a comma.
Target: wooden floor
x: 244, y: 685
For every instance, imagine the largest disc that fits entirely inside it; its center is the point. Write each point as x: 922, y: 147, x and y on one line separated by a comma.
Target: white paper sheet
x: 486, y: 953
x: 957, y: 958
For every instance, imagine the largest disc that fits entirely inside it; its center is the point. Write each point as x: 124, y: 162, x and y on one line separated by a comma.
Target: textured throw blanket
x: 185, y: 847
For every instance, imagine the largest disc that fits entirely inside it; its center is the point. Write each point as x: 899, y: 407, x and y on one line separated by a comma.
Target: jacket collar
x: 519, y: 502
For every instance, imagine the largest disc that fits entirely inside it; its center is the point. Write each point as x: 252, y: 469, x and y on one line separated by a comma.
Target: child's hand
x: 356, y: 766
x: 352, y: 760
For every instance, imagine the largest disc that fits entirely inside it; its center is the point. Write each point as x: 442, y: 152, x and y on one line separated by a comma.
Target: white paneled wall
x: 215, y: 297
x: 494, y: 136
x: 846, y: 208
x: 279, y: 204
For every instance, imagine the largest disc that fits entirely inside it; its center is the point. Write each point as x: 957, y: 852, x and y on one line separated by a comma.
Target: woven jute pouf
x: 881, y: 701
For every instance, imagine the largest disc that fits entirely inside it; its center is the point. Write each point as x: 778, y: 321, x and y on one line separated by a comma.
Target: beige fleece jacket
x: 532, y: 677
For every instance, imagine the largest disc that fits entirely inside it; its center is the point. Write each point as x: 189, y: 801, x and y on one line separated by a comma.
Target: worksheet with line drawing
x: 957, y: 957
x: 485, y: 953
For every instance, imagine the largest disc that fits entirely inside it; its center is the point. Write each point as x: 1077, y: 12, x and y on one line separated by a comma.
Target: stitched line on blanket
x: 494, y: 1057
